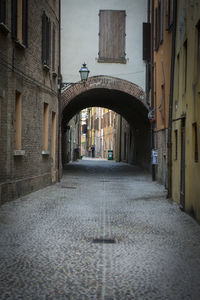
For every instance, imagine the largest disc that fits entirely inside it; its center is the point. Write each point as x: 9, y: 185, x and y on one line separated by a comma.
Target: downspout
x: 59, y: 98
x: 169, y: 143
x: 152, y: 83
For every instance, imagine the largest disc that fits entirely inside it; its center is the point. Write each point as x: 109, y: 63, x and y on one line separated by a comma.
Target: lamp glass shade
x: 84, y: 72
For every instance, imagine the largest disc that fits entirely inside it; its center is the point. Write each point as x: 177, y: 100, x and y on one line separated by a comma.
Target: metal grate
x: 104, y: 241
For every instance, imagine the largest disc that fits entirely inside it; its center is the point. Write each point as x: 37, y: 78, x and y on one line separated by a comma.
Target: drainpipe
x: 152, y: 84
x: 59, y: 99
x: 169, y: 142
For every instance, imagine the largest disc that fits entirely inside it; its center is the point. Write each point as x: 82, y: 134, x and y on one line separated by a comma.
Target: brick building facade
x: 29, y: 67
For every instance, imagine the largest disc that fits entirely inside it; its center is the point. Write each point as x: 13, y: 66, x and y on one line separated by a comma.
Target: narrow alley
x: 106, y: 231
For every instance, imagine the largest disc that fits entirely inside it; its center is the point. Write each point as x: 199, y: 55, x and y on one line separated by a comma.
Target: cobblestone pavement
x: 49, y: 247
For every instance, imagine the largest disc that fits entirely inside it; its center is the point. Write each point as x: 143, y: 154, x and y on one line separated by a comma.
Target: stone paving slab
x: 47, y: 248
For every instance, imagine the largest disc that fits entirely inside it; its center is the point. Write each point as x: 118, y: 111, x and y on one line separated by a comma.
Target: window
x: 176, y: 144
x: 3, y: 11
x: 185, y: 65
x: 146, y: 41
x: 161, y: 20
x: 195, y: 138
x: 53, y: 48
x: 159, y: 24
x: 46, y: 40
x: 169, y: 13
x: 157, y: 29
x: 112, y: 36
x: 178, y: 75
x: 198, y: 45
x: 19, y: 21
x: 18, y: 121
x: 45, y: 126
x: 53, y: 136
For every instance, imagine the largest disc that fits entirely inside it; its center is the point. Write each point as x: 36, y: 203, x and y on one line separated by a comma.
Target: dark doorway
x: 182, y: 195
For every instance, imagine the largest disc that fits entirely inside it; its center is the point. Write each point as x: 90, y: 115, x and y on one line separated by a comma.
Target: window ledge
x: 112, y: 60
x: 19, y: 152
x: 20, y: 45
x: 46, y: 67
x: 4, y: 28
x: 45, y: 152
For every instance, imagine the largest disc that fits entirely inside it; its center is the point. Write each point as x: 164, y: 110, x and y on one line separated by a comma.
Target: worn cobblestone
x: 47, y: 249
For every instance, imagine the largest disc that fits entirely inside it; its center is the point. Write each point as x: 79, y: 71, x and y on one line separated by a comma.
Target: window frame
x: 20, y: 22
x: 46, y: 41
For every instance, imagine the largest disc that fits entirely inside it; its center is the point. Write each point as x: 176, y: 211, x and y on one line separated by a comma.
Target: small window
x: 18, y: 121
x: 112, y: 36
x: 46, y: 40
x: 185, y: 54
x: 19, y: 21
x: 195, y: 138
x: 46, y: 127
x: 176, y: 144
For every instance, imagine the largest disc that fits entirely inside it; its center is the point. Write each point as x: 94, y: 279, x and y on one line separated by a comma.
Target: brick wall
x: 21, y: 70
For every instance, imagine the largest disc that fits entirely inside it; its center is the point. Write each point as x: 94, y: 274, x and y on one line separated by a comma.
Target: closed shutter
x: 146, y: 41
x: 44, y: 38
x: 14, y: 19
x: 167, y: 14
x: 25, y: 22
x: 161, y: 21
x: 157, y: 29
x: 48, y: 49
x: 112, y: 36
x: 53, y: 48
x: 3, y: 11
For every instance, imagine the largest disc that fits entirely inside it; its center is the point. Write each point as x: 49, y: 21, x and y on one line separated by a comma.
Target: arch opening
x: 122, y: 97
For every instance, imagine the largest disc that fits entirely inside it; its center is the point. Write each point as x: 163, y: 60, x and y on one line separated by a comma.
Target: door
x: 182, y: 194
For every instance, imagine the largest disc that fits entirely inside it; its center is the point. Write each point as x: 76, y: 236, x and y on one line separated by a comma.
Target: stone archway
x: 103, y: 82
x: 124, y: 97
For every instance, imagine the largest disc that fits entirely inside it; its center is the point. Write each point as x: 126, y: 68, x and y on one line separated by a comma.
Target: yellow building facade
x: 186, y: 109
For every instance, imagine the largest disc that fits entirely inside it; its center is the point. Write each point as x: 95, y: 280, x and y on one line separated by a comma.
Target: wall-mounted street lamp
x: 84, y: 72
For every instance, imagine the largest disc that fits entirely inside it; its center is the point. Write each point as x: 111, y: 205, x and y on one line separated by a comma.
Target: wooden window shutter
x: 44, y: 38
x: 112, y: 36
x: 3, y: 11
x: 161, y: 21
x: 146, y: 41
x: 48, y: 44
x: 167, y: 14
x: 25, y: 22
x: 14, y: 19
x: 53, y: 47
x: 157, y: 29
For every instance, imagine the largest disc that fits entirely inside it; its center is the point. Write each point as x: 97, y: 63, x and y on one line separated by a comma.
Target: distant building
x: 29, y: 69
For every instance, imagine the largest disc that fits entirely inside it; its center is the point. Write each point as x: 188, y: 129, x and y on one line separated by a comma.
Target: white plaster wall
x: 80, y: 40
